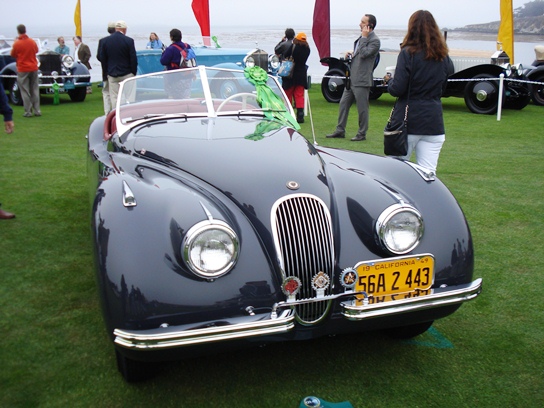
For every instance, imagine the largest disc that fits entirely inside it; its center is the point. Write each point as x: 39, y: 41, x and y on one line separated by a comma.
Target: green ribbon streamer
x: 214, y: 38
x: 56, y: 99
x: 262, y: 128
x: 271, y: 103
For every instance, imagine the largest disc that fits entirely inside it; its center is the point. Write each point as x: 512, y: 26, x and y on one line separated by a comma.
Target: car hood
x: 255, y: 162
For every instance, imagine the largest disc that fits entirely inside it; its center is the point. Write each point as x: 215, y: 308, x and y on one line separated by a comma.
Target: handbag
x: 287, y: 66
x: 395, y: 136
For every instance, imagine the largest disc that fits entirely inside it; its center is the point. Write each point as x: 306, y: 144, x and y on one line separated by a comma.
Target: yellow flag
x: 506, y: 29
x: 77, y: 18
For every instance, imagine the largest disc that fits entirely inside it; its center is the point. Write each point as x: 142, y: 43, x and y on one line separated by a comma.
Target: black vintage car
x: 216, y: 224
x: 70, y: 77
x: 478, y: 85
x: 535, y: 74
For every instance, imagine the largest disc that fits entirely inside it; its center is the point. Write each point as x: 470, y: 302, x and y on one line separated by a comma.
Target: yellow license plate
x: 390, y: 277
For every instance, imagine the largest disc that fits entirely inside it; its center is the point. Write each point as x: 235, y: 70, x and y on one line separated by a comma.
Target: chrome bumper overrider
x: 440, y: 297
x: 283, y: 321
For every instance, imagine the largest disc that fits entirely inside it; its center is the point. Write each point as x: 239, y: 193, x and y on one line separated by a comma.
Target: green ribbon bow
x: 271, y: 103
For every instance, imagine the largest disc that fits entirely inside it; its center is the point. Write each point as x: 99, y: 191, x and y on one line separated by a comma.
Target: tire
x: 78, y: 94
x: 227, y: 87
x: 332, y: 88
x: 537, y: 91
x: 517, y: 95
x: 408, y: 332
x: 134, y: 371
x: 482, y: 97
x: 15, y: 94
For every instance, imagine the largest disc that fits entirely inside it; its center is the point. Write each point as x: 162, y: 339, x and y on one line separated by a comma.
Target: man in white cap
x: 118, y: 56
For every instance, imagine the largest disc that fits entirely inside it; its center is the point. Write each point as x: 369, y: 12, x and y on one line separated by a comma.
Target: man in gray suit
x: 365, y: 50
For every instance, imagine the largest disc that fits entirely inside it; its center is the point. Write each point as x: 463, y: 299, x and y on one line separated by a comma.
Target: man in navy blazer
x: 105, y: 84
x: 365, y: 50
x: 118, y: 55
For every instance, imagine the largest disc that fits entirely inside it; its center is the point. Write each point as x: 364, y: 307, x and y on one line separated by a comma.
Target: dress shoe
x: 358, y: 138
x: 4, y: 215
x: 336, y: 135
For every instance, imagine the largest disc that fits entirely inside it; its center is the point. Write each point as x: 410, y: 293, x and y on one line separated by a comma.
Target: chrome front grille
x: 304, y: 243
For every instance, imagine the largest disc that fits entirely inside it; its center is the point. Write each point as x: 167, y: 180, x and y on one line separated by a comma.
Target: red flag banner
x: 506, y: 29
x: 321, y: 29
x: 201, y: 8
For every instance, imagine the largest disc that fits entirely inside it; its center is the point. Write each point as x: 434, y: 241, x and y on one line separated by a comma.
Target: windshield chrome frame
x: 123, y: 126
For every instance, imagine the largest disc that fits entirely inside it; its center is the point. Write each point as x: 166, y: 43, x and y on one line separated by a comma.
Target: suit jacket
x: 118, y: 54
x: 84, y: 54
x: 99, y: 58
x: 362, y: 62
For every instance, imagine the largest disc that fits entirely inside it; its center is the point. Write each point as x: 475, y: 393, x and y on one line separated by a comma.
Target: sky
x: 57, y: 15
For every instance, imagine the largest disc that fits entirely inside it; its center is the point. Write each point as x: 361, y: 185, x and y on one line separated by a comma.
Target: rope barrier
x: 526, y: 81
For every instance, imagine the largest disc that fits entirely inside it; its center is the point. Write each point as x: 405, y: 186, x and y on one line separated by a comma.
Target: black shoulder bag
x: 395, y: 135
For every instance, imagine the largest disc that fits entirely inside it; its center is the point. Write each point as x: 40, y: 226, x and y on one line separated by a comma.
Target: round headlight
x: 250, y: 62
x: 399, y: 228
x: 67, y: 61
x: 274, y: 61
x: 210, y: 249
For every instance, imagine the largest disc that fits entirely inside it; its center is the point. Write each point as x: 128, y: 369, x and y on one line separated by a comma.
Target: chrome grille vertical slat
x: 303, y: 238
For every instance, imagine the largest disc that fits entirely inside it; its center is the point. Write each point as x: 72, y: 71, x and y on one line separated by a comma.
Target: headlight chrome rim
x: 67, y: 61
x: 388, y: 238
x: 196, y: 237
x: 274, y: 61
x: 249, y: 61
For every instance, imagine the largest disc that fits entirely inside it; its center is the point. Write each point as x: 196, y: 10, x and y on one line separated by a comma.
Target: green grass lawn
x: 55, y: 353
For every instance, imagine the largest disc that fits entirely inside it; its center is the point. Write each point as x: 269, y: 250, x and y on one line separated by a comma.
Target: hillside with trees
x: 528, y: 19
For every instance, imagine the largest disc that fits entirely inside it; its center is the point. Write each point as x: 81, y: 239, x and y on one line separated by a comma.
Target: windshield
x: 201, y: 92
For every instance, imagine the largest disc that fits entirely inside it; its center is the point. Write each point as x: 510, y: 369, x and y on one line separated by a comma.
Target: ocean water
x: 483, y: 45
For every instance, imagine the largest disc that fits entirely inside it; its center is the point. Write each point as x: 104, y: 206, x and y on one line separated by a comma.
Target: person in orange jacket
x: 24, y: 51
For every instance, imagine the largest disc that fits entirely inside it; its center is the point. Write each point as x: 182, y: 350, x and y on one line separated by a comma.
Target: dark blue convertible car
x: 216, y: 224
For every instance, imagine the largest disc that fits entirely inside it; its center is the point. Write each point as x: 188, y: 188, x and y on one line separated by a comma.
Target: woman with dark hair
x: 420, y: 77
x: 294, y: 86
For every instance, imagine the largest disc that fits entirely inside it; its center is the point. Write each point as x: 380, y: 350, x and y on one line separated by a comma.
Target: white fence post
x: 501, y: 88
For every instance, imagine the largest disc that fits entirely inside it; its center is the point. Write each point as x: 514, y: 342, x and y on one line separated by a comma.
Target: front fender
x: 81, y: 72
x: 141, y: 271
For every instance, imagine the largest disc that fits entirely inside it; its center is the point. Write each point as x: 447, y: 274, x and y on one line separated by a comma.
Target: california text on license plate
x: 395, y: 278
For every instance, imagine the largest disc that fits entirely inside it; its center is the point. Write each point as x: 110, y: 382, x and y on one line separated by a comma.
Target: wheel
x: 332, y: 88
x: 482, y: 96
x: 134, y: 371
x: 15, y: 94
x: 407, y: 332
x: 517, y: 95
x: 537, y: 91
x: 78, y: 94
x: 243, y: 95
x: 226, y: 87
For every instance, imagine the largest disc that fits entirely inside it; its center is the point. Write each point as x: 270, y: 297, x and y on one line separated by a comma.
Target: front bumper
x: 283, y: 321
